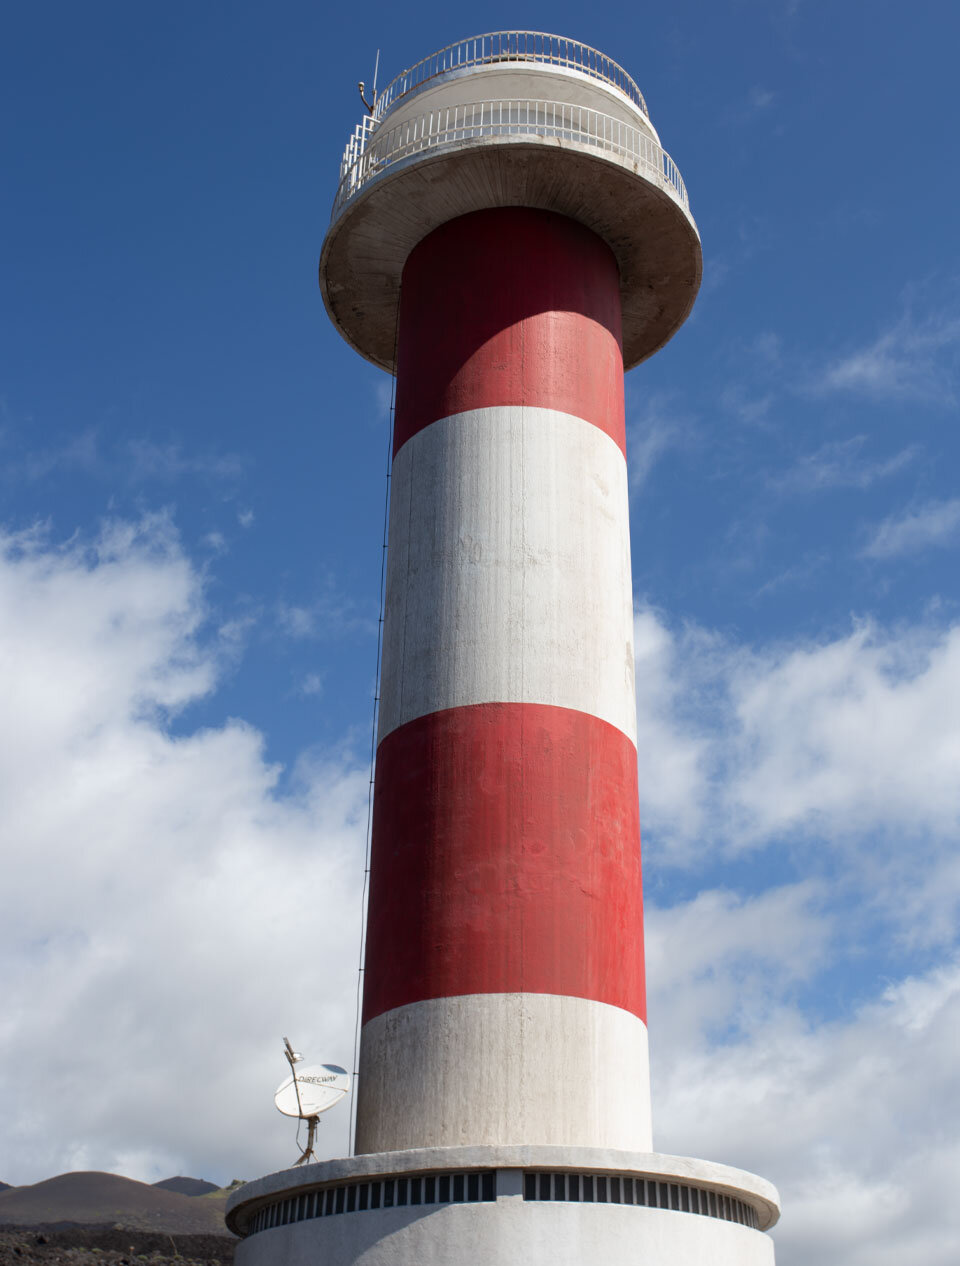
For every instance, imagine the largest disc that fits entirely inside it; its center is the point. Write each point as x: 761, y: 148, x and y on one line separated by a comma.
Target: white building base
x: 506, y: 1206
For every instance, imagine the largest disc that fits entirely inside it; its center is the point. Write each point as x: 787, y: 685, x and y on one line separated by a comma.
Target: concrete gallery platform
x: 498, y: 1205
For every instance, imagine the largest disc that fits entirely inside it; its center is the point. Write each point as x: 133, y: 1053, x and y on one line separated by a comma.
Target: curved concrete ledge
x: 651, y: 234
x: 749, y: 1188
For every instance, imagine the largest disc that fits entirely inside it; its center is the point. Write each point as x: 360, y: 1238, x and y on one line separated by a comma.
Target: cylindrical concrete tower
x: 504, y: 988
x: 507, y: 237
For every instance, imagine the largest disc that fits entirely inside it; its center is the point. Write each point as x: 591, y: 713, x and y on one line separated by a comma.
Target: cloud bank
x: 165, y: 915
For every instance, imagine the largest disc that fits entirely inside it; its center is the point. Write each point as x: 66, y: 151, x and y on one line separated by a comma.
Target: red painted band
x: 510, y: 306
x: 505, y: 859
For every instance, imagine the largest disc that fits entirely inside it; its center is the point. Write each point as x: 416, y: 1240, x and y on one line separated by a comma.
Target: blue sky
x: 191, y: 503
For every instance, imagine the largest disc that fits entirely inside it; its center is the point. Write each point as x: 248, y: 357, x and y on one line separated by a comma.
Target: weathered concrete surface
x: 505, y: 887
x: 508, y: 576
x: 652, y: 236
x: 510, y: 1232
x: 759, y: 1193
x: 421, y: 1075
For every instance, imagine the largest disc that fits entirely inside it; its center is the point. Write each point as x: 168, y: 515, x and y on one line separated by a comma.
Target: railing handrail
x: 534, y: 46
x: 482, y: 120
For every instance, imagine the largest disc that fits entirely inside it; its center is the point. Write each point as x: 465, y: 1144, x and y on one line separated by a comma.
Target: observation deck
x: 500, y: 46
x: 511, y: 118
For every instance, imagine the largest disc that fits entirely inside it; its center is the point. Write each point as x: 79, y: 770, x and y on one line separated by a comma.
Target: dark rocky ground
x: 105, y: 1245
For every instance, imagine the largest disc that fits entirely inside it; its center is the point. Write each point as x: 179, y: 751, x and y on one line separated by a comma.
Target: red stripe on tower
x: 510, y: 307
x: 505, y: 859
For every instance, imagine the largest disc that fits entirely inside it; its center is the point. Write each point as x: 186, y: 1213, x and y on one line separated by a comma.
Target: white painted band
x: 499, y: 1069
x: 508, y: 575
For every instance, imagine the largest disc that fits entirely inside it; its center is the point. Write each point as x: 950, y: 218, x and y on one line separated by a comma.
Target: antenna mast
x: 371, y: 104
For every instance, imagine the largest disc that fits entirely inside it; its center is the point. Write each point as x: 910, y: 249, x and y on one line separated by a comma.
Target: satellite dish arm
x: 292, y: 1058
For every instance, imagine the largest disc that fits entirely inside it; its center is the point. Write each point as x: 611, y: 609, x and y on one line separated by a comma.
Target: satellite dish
x: 309, y: 1091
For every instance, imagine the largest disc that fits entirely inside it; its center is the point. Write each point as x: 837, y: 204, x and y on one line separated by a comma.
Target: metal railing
x: 486, y: 120
x: 513, y: 46
x: 356, y: 144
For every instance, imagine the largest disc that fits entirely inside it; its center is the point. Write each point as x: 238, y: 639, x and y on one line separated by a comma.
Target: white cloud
x: 170, y: 462
x: 851, y: 746
x: 720, y: 960
x: 840, y: 464
x: 312, y: 684
x: 672, y: 748
x: 652, y: 430
x: 330, y: 614
x: 761, y: 98
x: 801, y: 573
x: 767, y: 349
x: 748, y: 408
x: 165, y: 913
x: 851, y: 1118
x: 383, y: 389
x: 80, y: 452
x: 296, y: 621
x: 855, y: 734
x: 912, y: 360
x: 216, y: 542
x: 134, y: 460
x: 757, y: 102
x: 936, y: 523
x: 858, y: 734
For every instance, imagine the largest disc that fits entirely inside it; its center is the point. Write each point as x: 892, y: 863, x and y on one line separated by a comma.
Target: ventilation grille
x: 476, y: 1186
x: 625, y: 1189
x: 380, y: 1193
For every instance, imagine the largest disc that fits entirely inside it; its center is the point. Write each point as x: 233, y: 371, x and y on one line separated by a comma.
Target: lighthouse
x: 508, y: 237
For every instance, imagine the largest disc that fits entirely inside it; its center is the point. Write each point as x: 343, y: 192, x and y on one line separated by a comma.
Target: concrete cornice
x: 759, y: 1193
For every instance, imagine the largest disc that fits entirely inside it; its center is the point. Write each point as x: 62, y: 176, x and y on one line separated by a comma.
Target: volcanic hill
x: 187, y: 1186
x: 88, y: 1197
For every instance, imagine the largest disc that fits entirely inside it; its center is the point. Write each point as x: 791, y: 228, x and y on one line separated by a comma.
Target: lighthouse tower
x: 508, y: 236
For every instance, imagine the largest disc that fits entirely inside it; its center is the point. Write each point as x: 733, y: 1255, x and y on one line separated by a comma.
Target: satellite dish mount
x: 307, y: 1092
x: 293, y: 1058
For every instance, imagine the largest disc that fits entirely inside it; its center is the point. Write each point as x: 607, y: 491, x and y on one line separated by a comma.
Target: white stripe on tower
x: 510, y: 581
x: 504, y: 987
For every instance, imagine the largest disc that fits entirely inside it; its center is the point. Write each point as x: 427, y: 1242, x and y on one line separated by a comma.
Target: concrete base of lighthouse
x: 499, y: 1206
